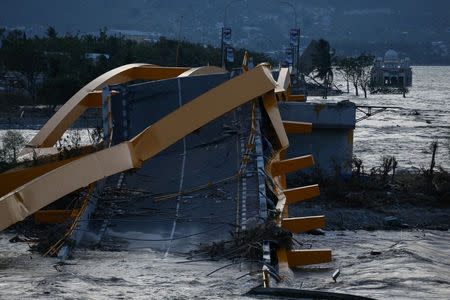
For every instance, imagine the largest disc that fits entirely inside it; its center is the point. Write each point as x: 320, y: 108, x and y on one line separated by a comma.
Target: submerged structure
x: 391, y: 70
x: 197, y: 152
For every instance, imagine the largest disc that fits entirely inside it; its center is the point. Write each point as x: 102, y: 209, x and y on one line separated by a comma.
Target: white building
x: 391, y: 70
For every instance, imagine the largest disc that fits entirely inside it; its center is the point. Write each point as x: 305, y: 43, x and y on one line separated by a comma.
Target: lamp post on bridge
x: 226, y: 31
x: 294, y: 38
x: 293, y: 9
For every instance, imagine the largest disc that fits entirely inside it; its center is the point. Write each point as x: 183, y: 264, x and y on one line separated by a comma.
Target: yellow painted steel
x: 297, y: 258
x: 292, y: 127
x: 303, y: 224
x: 271, y: 106
x: 78, y: 213
x: 74, y: 107
x: 59, y: 182
x: 94, y: 99
x: 301, y: 193
x: 52, y: 181
x: 87, y: 99
x: 15, y: 178
x: 83, y: 171
x: 296, y: 98
x: 54, y: 216
x: 151, y: 72
x: 245, y: 62
x: 202, y: 110
x: 283, y: 82
x: 283, y: 90
x: 291, y: 165
x: 206, y: 70
x: 106, y: 101
x: 277, y: 167
x: 283, y: 262
x: 266, y: 280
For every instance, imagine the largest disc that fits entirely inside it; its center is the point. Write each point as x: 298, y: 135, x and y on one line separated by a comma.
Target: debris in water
x: 336, y: 274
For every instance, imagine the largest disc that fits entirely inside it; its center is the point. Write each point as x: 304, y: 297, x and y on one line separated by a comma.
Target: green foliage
x: 322, y: 59
x: 51, y: 32
x: 322, y: 63
x: 53, y: 89
x: 25, y: 56
x: 62, y: 64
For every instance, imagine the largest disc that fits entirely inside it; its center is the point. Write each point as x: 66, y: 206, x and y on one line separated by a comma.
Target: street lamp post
x: 224, y: 25
x: 293, y: 9
x: 297, y: 48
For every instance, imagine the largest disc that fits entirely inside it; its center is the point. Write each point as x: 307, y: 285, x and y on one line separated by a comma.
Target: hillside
x: 351, y: 26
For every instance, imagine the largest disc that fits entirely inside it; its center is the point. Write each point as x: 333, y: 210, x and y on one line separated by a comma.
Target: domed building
x: 391, y: 70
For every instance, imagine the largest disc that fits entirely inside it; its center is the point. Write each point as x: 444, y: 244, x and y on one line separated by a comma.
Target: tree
x: 345, y: 66
x: 24, y: 56
x: 322, y: 64
x: 364, y: 66
x: 62, y: 64
x: 51, y: 33
x: 57, y: 90
x: 12, y: 141
x: 354, y: 75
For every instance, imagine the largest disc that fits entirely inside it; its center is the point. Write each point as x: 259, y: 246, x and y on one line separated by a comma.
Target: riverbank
x: 414, y: 200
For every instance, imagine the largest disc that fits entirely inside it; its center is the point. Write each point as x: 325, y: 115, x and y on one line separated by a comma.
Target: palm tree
x: 322, y: 64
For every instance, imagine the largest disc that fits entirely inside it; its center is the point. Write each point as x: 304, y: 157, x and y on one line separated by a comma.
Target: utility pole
x: 179, y: 41
x: 226, y: 43
x: 295, y: 47
x: 226, y: 30
x: 221, y: 50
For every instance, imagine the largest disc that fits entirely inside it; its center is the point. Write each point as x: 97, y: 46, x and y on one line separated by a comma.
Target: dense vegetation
x: 353, y: 69
x: 53, y: 68
x: 352, y: 26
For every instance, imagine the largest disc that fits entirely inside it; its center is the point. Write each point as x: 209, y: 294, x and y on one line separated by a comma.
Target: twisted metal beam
x: 81, y: 101
x: 51, y: 186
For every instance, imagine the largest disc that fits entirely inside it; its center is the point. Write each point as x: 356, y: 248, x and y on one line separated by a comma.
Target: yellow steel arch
x: 90, y: 168
x: 65, y: 177
x: 205, y: 70
x: 88, y: 96
x: 85, y: 98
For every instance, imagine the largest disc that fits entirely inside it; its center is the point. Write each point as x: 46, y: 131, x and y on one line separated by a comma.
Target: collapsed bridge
x: 203, y: 150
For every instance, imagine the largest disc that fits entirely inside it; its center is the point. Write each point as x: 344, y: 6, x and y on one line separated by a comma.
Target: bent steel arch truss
x: 90, y: 96
x: 68, y: 176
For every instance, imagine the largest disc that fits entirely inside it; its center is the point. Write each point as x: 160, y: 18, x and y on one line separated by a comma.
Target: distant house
x: 94, y: 57
x: 390, y: 70
x: 134, y: 35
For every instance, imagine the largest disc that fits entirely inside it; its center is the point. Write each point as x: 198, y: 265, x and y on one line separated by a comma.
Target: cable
x: 165, y: 240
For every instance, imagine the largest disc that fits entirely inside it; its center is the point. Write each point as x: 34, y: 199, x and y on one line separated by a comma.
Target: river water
x: 407, y: 132
x: 380, y: 264
x: 377, y: 264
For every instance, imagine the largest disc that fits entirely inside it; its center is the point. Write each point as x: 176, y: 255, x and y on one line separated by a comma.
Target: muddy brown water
x: 379, y: 264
